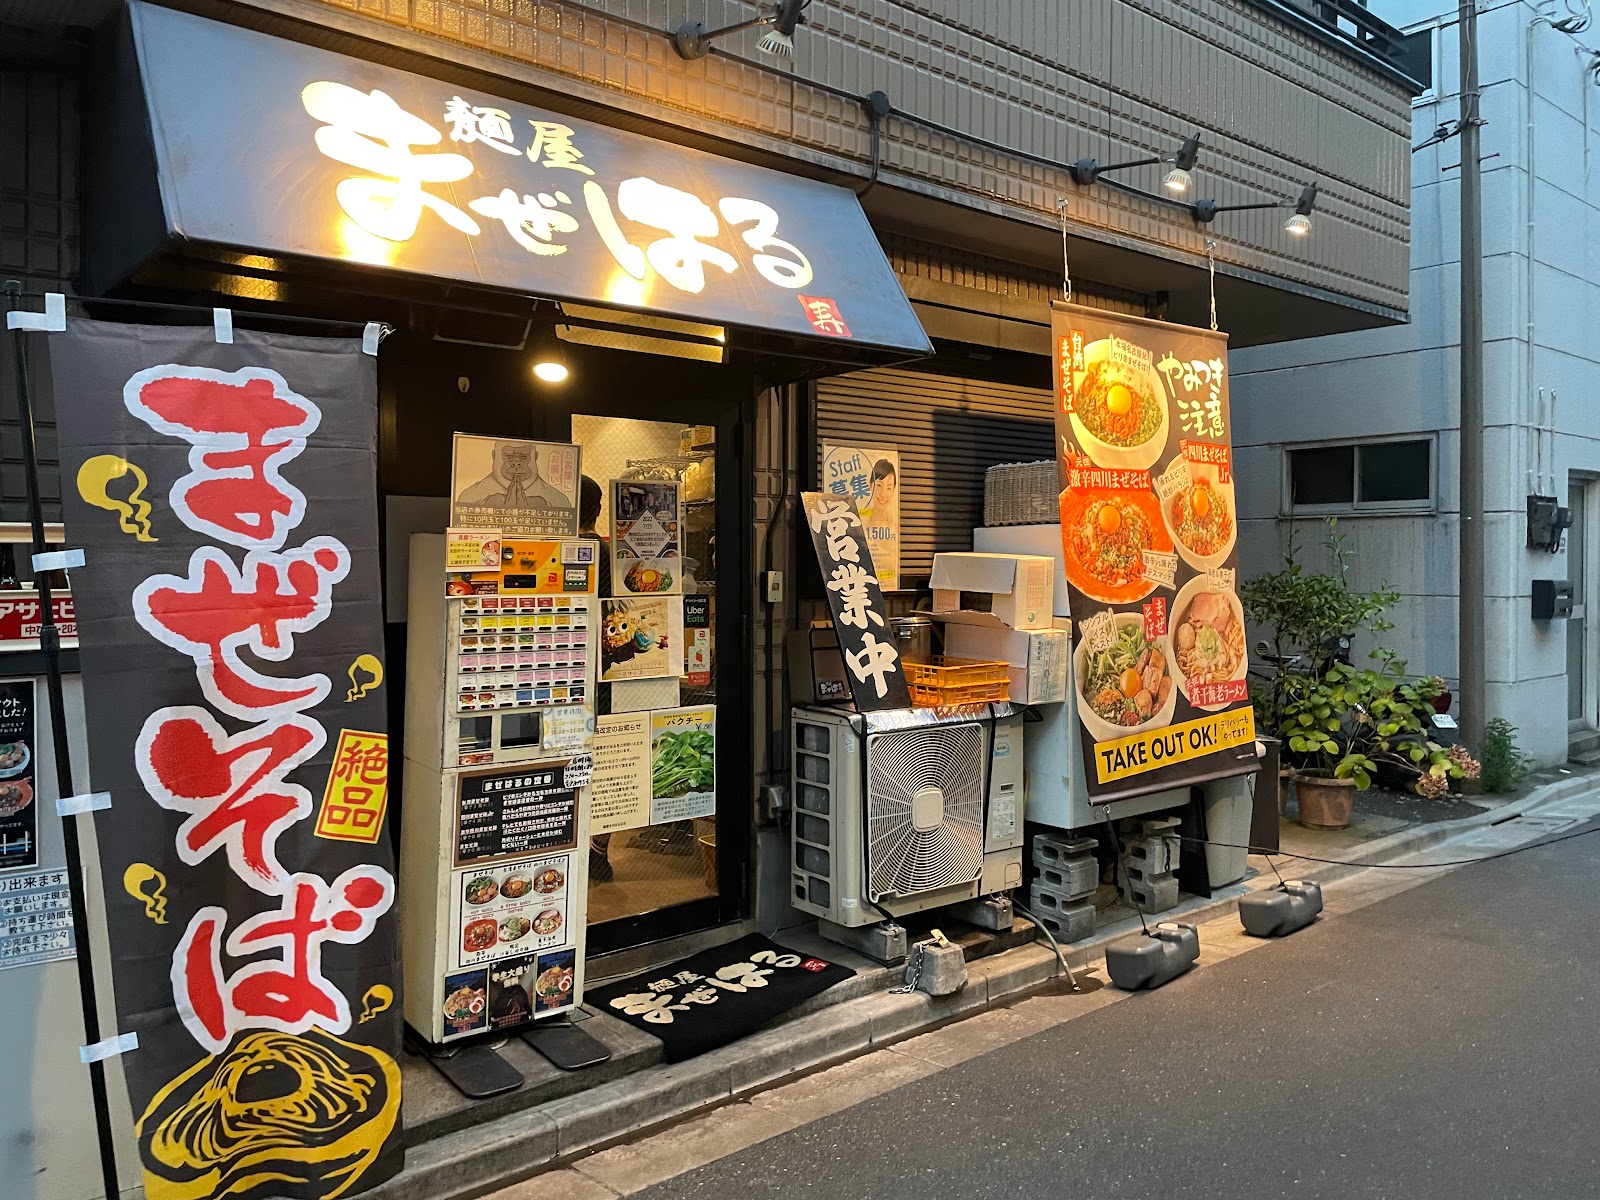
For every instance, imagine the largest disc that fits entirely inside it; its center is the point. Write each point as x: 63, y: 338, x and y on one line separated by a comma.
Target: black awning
x: 248, y: 147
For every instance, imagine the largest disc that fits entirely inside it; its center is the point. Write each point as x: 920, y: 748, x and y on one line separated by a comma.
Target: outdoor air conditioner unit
x: 903, y: 811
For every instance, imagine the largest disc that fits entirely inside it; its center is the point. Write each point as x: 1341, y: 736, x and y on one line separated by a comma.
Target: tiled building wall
x: 1104, y: 78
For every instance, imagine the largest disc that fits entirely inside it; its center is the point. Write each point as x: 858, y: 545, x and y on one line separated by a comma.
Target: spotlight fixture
x: 549, y: 359
x: 781, y: 17
x: 551, y: 370
x: 1087, y: 171
x: 1177, y: 179
x: 1299, y: 225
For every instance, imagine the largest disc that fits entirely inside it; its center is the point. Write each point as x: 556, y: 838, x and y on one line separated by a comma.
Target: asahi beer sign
x: 233, y: 677
x: 1148, y: 528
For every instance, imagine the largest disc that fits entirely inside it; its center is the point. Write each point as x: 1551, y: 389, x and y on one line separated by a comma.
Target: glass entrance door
x: 674, y: 843
x: 1580, y: 667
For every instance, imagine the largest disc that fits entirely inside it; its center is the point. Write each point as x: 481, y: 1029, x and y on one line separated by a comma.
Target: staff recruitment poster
x: 232, y: 659
x: 1148, y: 532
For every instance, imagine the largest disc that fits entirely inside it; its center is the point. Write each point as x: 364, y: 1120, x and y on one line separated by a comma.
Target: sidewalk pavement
x: 462, y: 1151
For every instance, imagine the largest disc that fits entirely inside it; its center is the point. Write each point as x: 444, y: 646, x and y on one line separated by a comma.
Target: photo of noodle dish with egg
x: 1208, y: 640
x: 1119, y: 409
x: 1200, y: 518
x: 1127, y: 685
x: 1105, y: 534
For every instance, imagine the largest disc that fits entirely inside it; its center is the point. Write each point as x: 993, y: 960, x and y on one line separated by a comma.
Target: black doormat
x: 717, y: 996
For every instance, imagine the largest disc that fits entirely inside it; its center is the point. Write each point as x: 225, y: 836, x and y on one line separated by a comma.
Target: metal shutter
x: 949, y: 432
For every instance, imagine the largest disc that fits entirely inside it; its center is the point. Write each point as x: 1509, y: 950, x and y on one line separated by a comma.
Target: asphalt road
x: 1444, y: 1042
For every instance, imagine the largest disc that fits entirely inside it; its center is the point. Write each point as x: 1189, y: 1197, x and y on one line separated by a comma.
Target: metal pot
x: 913, y: 636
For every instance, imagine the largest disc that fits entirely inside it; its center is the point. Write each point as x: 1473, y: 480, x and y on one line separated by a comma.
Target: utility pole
x: 1471, y: 646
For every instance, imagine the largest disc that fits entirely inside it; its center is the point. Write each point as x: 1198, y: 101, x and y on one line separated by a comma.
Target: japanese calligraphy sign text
x: 294, y: 150
x: 871, y: 656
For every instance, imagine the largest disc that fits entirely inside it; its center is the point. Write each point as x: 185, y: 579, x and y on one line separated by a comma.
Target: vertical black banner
x: 229, y: 619
x: 871, y: 655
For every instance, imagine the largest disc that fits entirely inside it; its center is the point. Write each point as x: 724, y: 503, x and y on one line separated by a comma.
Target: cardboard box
x: 1043, y: 540
x: 1038, y: 658
x: 994, y: 590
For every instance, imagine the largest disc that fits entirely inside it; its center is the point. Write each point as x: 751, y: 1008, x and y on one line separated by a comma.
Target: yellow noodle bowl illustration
x: 286, y: 1114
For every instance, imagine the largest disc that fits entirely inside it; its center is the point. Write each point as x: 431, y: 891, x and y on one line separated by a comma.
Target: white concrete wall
x: 1405, y: 380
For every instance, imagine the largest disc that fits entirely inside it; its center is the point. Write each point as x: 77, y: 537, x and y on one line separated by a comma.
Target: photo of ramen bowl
x: 1208, y: 640
x: 1125, y: 687
x: 15, y: 758
x: 1119, y: 412
x: 1201, y: 519
x: 482, y: 889
x: 514, y: 929
x: 479, y: 935
x: 547, y: 922
x: 1105, y: 534
x: 553, y: 983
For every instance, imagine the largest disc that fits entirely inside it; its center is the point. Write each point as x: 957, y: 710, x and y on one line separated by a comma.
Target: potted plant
x: 1347, y: 724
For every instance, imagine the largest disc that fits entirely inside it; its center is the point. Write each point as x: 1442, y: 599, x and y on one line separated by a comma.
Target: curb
x: 472, y: 1161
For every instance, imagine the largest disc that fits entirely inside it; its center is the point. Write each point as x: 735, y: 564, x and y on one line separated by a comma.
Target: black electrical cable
x: 1429, y: 866
x: 1116, y: 848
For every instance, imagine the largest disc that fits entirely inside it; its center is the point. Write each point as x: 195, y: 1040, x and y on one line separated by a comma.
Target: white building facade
x: 1365, y: 426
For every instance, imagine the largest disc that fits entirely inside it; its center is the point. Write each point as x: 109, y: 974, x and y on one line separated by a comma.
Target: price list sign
x: 516, y: 811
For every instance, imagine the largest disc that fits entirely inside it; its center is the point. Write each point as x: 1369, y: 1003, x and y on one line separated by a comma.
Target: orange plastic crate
x: 944, y: 682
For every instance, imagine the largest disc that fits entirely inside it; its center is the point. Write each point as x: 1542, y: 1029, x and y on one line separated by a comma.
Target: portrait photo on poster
x: 870, y: 475
x: 523, y: 488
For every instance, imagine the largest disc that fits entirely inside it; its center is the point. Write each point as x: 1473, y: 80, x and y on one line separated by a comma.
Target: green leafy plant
x: 684, y: 761
x: 1351, y: 723
x: 1504, y: 767
x: 1303, y: 613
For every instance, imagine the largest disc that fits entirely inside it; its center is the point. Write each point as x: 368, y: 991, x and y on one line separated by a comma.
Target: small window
x: 1362, y: 476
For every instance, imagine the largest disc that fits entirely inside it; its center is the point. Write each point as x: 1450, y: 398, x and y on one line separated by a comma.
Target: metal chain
x: 1211, y: 268
x: 913, y: 971
x: 1066, y: 266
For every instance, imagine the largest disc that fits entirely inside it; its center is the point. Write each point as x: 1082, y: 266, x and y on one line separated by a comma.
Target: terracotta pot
x: 1324, y: 802
x: 1285, y: 785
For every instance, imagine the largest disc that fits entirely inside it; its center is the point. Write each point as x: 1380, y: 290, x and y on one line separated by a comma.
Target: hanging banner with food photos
x: 1148, y: 532
x: 868, y: 647
x: 224, y: 496
x: 19, y: 819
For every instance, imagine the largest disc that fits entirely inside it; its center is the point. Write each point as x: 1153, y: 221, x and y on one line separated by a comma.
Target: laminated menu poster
x: 641, y: 638
x: 1148, y: 531
x: 646, y: 538
x: 19, y: 817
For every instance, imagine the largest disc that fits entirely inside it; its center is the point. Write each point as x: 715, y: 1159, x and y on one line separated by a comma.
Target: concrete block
x: 1071, y: 878
x: 1067, y: 920
x: 1149, y: 894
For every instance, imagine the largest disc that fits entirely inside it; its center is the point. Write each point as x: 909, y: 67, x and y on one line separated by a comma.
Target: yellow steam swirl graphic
x: 369, y: 665
x: 276, y: 1111
x: 134, y: 880
x: 94, y: 479
x: 378, y: 999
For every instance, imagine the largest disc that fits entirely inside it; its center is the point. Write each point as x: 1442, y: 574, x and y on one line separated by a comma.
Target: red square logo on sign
x: 1155, y: 618
x: 824, y: 316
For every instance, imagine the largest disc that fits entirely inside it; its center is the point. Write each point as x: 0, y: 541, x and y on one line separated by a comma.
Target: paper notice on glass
x: 471, y: 550
x: 683, y: 764
x: 619, y: 791
x: 525, y: 489
x: 646, y: 538
x: 641, y: 638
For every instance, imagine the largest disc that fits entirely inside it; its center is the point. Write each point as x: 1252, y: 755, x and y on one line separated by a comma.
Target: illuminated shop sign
x: 275, y: 148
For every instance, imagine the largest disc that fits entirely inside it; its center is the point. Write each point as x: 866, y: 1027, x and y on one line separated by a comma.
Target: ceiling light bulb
x: 1299, y: 225
x: 1176, y: 180
x: 551, y: 371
